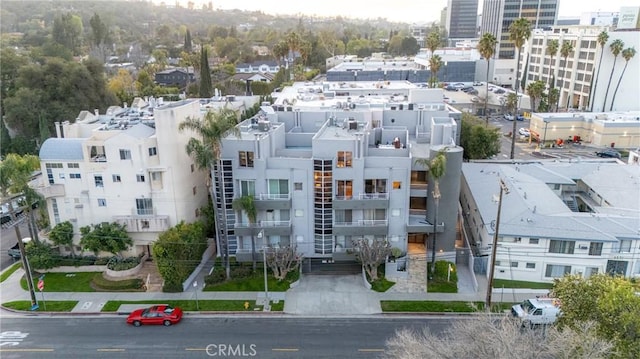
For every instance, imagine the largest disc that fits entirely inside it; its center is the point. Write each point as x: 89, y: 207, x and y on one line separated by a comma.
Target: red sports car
x: 158, y: 314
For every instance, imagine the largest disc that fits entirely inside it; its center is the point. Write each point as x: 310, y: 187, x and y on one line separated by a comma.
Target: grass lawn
x: 254, y: 283
x: 52, y: 305
x: 190, y: 305
x: 9, y: 271
x: 64, y: 282
x: 504, y: 283
x: 382, y: 285
x: 439, y: 307
x: 439, y: 286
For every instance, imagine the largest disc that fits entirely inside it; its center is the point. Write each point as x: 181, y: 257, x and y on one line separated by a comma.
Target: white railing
x: 373, y: 196
x: 272, y: 196
x: 363, y: 222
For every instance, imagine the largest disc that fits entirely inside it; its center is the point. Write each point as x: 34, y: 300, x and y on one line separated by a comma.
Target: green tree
x: 205, y: 151
x: 535, y: 90
x: 99, y: 31
x: 247, y: 205
x: 603, y: 37
x: 565, y: 50
x: 178, y: 251
x: 478, y: 140
x: 519, y: 32
x: 206, y: 87
x: 610, y: 301
x: 627, y: 54
x: 409, y: 46
x: 433, y: 41
x: 67, y: 30
x: 188, y: 47
x: 487, y: 48
x: 435, y: 63
x: 105, y: 237
x: 62, y: 235
x: 40, y: 256
x: 616, y: 48
x: 552, y: 49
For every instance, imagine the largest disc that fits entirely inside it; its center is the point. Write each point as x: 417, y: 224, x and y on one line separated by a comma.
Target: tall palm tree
x: 565, y: 51
x: 551, y: 50
x: 487, y: 48
x: 519, y: 32
x: 603, y: 37
x: 211, y: 129
x: 616, y: 48
x: 535, y: 90
x: 437, y: 169
x: 247, y: 205
x: 435, y: 63
x: 627, y: 54
x: 433, y: 41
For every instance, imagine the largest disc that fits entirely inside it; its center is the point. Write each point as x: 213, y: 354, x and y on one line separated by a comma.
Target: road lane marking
x: 111, y: 350
x: 195, y: 349
x: 25, y: 350
x: 285, y: 349
x: 370, y: 350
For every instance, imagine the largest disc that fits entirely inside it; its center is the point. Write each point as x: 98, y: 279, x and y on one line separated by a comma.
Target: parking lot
x: 465, y: 102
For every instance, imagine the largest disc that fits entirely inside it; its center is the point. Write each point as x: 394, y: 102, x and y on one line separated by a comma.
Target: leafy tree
x: 123, y: 86
x: 247, y: 205
x: 499, y: 337
x: 206, y: 89
x: 282, y: 260
x: 479, y: 141
x: 627, y: 54
x: 62, y: 235
x: 487, y: 48
x: 206, y: 151
x: 328, y: 40
x: 371, y: 253
x: 67, y: 30
x: 603, y: 37
x: 178, y: 251
x: 519, y: 32
x: 40, y: 255
x: 105, y: 237
x: 188, y: 47
x: 610, y: 301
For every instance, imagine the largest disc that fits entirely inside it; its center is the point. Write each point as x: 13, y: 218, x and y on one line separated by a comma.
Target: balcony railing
x: 373, y: 196
x: 363, y: 222
x: 263, y: 224
x: 273, y: 197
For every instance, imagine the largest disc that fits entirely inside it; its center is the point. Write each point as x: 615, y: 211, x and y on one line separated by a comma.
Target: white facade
x: 557, y: 218
x: 127, y: 166
x: 581, y: 80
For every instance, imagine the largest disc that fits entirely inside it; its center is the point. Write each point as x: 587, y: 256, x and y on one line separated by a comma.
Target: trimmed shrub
x: 101, y: 261
x: 102, y: 284
x: 172, y: 288
x: 241, y: 272
x: 120, y: 264
x: 216, y: 277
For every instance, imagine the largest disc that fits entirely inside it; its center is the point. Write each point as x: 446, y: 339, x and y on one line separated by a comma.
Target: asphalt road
x: 7, y: 240
x: 111, y: 337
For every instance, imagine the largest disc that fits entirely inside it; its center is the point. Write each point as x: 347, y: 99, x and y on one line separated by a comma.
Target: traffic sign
x: 40, y: 285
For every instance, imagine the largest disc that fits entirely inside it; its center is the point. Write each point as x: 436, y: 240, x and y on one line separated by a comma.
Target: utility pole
x: 23, y: 256
x: 503, y: 189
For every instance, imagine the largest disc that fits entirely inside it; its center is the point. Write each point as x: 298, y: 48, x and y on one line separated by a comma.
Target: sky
x: 410, y: 11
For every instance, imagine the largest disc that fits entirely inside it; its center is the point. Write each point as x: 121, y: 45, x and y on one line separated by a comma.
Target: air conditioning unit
x: 263, y: 126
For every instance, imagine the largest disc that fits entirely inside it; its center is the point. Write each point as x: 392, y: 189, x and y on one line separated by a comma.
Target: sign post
x: 195, y: 290
x: 41, y: 289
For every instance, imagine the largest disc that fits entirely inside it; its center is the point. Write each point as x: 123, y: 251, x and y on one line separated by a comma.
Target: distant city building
x: 497, y: 15
x: 629, y: 18
x: 568, y: 21
x: 258, y: 66
x: 599, y: 18
x: 179, y: 77
x: 462, y: 16
x: 419, y: 32
x: 443, y: 16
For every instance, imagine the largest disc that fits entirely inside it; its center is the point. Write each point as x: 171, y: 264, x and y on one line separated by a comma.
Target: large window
x: 595, y: 249
x: 144, y: 206
x: 247, y: 188
x: 279, y: 187
x: 98, y: 180
x: 375, y: 186
x: 245, y: 158
x: 555, y: 270
x: 623, y: 247
x: 343, y: 216
x: 344, y: 189
x: 125, y: 154
x: 565, y: 247
x: 344, y: 159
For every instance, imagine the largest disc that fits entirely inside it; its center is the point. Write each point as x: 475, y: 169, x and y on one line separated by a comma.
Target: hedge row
x: 100, y: 283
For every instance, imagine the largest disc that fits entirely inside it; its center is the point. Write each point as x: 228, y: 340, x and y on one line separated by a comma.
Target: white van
x: 537, y: 311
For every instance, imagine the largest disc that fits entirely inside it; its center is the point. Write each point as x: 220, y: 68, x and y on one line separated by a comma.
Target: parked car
x: 14, y: 252
x: 499, y: 91
x: 508, y: 117
x: 524, y: 132
x: 473, y: 92
x: 451, y: 88
x: 477, y: 83
x: 538, y: 311
x: 520, y: 118
x: 158, y: 314
x: 467, y: 89
x: 609, y: 153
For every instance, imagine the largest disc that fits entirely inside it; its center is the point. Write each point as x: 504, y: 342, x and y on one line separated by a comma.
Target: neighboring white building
x: 599, y: 18
x: 578, y: 83
x: 127, y: 166
x: 334, y: 161
x: 557, y: 218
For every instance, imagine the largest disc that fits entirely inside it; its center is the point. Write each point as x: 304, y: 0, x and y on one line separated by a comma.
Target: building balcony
x: 52, y: 190
x: 417, y: 223
x: 362, y: 201
x: 361, y: 227
x: 266, y: 201
x: 269, y: 228
x: 137, y: 223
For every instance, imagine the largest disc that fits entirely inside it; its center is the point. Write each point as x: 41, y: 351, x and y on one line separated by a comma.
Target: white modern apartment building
x: 334, y: 161
x: 556, y: 218
x: 578, y: 79
x: 127, y: 166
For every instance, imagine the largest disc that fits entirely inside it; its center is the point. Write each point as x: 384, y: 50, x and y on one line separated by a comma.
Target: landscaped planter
x: 125, y: 273
x: 72, y: 269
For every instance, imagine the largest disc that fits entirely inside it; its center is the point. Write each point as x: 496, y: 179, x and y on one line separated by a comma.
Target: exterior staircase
x: 151, y: 276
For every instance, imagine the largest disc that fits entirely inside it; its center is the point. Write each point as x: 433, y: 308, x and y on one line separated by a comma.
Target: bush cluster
x: 82, y: 261
x: 102, y: 284
x: 172, y: 288
x: 120, y: 264
x: 241, y: 272
x: 218, y: 276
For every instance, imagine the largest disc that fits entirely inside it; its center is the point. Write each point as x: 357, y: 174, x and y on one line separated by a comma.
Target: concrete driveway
x: 330, y: 295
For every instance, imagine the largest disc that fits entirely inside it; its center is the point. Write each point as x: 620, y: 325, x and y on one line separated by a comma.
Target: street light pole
x: 544, y: 138
x: 27, y: 267
x: 487, y: 304
x: 264, y: 266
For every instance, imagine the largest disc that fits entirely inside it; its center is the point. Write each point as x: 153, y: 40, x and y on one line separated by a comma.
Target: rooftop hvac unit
x: 264, y: 126
x: 353, y: 125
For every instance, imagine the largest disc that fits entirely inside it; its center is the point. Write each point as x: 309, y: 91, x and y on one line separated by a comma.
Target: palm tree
x: 519, y: 32
x: 552, y: 99
x: 247, y: 205
x: 565, y: 51
x: 487, y: 48
x: 627, y: 54
x: 437, y: 168
x: 603, y: 37
x: 535, y: 90
x: 435, y: 63
x: 551, y: 50
x: 616, y: 47
x: 211, y: 129
x: 433, y: 41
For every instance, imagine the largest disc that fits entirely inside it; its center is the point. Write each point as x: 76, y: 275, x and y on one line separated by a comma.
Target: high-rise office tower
x: 497, y: 15
x: 462, y: 16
